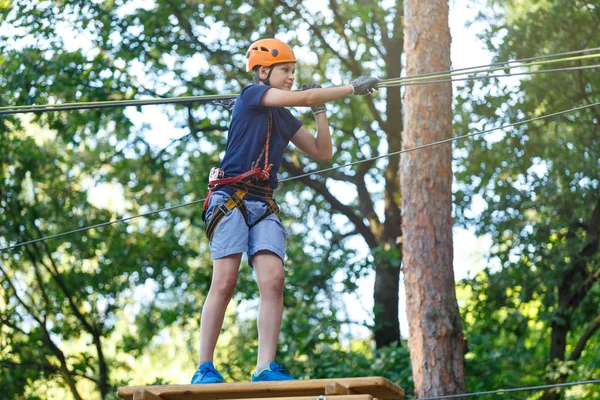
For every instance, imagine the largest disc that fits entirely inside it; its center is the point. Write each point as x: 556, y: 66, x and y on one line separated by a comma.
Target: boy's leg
x: 224, y: 279
x: 270, y: 277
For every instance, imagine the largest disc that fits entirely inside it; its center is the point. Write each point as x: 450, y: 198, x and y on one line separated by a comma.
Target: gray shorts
x: 232, y: 235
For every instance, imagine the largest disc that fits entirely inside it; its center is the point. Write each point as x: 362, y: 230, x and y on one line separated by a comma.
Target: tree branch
x: 339, y: 22
x: 591, y: 248
x: 19, y: 299
x: 57, y: 277
x: 591, y: 329
x: 320, y: 188
x: 319, y: 33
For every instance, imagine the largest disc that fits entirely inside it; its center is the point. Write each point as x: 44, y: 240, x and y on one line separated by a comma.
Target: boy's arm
x: 305, y: 98
x: 309, y: 98
x: 318, y: 147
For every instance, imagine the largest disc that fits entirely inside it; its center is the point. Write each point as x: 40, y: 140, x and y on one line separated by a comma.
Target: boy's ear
x: 263, y: 72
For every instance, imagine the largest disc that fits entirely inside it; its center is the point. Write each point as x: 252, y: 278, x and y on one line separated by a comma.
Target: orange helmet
x: 267, y: 52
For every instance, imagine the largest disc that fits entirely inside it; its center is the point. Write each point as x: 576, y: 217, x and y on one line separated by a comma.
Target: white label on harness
x: 216, y: 173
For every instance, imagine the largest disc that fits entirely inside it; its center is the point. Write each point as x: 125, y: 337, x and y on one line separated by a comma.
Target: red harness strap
x: 262, y: 174
x: 217, y: 183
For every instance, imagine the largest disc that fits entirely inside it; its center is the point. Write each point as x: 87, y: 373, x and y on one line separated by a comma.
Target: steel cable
x: 16, y: 245
x: 402, y: 81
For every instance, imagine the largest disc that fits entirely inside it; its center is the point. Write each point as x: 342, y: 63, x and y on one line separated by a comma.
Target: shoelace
x: 210, y: 372
x: 279, y: 368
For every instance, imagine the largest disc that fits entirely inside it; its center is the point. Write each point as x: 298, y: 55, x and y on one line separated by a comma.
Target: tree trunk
x: 436, y: 342
x: 103, y: 381
x: 386, y: 292
x: 387, y: 286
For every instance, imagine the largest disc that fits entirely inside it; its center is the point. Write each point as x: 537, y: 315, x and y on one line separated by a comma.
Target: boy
x: 240, y: 212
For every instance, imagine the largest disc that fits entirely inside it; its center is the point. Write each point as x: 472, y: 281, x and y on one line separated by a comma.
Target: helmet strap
x: 258, y: 79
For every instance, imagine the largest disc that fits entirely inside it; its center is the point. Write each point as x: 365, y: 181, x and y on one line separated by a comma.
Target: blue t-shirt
x: 248, y: 133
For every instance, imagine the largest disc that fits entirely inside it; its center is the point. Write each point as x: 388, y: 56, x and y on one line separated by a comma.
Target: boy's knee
x: 269, y: 273
x: 225, y: 285
x: 273, y: 283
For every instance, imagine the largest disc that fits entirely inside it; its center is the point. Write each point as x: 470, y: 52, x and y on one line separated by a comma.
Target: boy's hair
x: 256, y: 74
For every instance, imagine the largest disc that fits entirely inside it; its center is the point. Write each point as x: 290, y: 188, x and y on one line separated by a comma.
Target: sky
x: 467, y: 51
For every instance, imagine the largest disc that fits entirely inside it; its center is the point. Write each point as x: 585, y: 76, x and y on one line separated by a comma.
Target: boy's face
x: 282, y: 76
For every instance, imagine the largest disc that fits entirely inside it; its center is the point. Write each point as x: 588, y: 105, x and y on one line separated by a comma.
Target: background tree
x: 88, y: 286
x: 540, y: 186
x: 436, y: 341
x: 60, y: 295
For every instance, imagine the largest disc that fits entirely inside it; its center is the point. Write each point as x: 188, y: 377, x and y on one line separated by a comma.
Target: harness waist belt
x: 237, y: 201
x: 255, y: 190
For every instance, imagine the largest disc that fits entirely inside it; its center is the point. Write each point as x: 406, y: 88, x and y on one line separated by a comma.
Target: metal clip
x: 215, y: 173
x: 224, y: 209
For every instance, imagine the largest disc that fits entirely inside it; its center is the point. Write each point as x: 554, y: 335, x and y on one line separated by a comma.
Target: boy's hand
x: 321, y: 107
x: 364, y: 85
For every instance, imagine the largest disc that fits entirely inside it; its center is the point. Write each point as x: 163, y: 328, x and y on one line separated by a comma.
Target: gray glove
x: 321, y: 107
x: 364, y: 85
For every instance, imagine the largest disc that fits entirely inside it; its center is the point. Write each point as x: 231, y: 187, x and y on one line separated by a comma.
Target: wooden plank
x: 143, y: 394
x: 334, y: 388
x: 321, y: 397
x: 375, y: 386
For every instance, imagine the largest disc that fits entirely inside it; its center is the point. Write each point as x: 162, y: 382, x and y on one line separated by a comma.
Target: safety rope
x: 265, y: 151
x: 402, y: 81
x: 16, y: 245
x: 511, y: 390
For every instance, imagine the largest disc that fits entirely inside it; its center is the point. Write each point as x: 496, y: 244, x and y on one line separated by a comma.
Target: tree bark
x: 436, y: 341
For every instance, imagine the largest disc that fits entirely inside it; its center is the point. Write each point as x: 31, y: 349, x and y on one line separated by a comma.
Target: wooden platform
x: 367, y: 388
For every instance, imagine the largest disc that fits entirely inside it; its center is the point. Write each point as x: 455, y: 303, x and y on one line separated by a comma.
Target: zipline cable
x: 16, y: 245
x: 521, y: 389
x: 113, y: 103
x: 103, y: 224
x: 443, y: 141
x: 472, y: 78
x: 8, y: 110
x: 451, y: 74
x: 522, y: 60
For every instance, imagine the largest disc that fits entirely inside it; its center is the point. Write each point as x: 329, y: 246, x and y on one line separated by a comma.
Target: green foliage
x: 540, y: 186
x: 81, y: 313
x: 392, y: 362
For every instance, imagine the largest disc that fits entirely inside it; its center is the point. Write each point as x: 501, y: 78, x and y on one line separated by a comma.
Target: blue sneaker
x: 273, y: 373
x: 206, y: 373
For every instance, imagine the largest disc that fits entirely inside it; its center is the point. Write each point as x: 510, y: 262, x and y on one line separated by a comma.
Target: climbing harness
x: 242, y: 189
x: 243, y: 186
